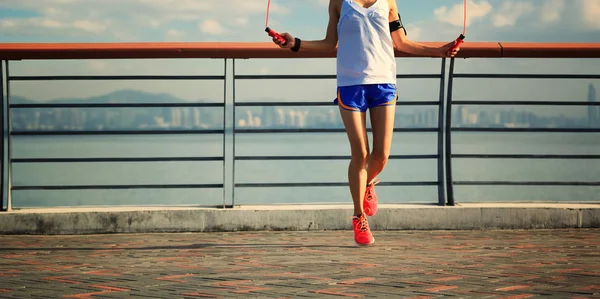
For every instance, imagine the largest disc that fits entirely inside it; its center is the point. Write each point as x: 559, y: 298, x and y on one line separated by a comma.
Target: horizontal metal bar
x: 123, y: 159
x: 282, y: 104
x: 548, y: 130
x: 524, y: 183
x: 261, y: 77
x: 510, y: 156
x: 527, y: 103
x: 265, y: 50
x: 115, y: 132
x: 285, y: 158
x: 286, y: 77
x: 325, y: 184
x: 418, y: 76
x: 115, y: 105
x: 120, y: 77
x: 273, y: 104
x: 340, y: 130
x: 116, y: 187
x: 527, y: 76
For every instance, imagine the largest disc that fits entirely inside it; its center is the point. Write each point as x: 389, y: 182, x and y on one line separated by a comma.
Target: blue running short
x: 362, y: 97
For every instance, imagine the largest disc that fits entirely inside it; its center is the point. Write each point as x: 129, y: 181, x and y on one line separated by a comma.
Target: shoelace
x: 362, y: 223
x: 370, y: 190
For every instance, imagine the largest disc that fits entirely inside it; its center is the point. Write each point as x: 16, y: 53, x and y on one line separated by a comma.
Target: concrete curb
x: 298, y: 218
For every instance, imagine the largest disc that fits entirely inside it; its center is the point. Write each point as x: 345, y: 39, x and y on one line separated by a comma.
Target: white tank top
x: 365, y: 53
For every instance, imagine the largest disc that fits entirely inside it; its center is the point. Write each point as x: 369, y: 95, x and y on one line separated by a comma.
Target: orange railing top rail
x: 22, y: 51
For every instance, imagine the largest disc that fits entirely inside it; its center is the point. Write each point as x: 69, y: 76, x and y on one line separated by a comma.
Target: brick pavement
x: 401, y: 264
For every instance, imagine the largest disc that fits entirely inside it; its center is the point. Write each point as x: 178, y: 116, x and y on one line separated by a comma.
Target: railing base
x: 298, y: 218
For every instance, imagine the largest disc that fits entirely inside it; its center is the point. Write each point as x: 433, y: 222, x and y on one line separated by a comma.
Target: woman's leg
x: 352, y: 104
x: 382, y: 111
x: 355, y: 124
x: 382, y: 122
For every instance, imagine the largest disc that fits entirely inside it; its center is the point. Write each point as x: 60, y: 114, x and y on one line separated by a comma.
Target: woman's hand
x: 445, y: 50
x: 290, y: 41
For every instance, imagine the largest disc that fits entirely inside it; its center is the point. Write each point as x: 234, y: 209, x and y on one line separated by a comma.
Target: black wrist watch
x: 296, y: 46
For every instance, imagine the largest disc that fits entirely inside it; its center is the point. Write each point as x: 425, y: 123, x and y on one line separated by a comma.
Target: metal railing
x: 438, y: 130
x: 449, y: 156
x: 233, y: 51
x: 11, y: 160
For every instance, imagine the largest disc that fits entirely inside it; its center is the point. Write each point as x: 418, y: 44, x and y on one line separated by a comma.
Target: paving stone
x: 319, y: 264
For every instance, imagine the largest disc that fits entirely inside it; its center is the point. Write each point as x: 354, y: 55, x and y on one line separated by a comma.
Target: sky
x: 244, y: 20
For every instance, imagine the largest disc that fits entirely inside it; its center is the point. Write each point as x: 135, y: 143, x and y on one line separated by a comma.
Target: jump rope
x: 269, y: 30
x: 457, y: 44
x: 461, y: 38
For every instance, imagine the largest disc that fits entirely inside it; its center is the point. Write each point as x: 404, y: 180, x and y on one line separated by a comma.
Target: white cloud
x: 89, y: 26
x: 591, y: 13
x: 174, y: 34
x: 49, y: 25
x: 413, y: 32
x: 54, y: 12
x: 211, y: 27
x: 551, y: 10
x: 455, y: 14
x: 534, y: 18
x: 7, y: 24
x: 510, y: 12
x: 126, y: 19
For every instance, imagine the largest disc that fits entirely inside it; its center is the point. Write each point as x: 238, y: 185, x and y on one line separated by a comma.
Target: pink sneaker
x: 370, y: 202
x: 362, y: 232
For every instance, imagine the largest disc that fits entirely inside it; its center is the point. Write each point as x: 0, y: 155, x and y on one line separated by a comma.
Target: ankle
x: 372, y: 181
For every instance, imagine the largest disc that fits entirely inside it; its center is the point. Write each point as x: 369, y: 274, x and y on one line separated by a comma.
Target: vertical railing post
x: 233, y: 136
x: 224, y: 132
x: 228, y: 158
x: 440, y: 153
x: 449, y: 183
x: 8, y: 142
x: 2, y: 136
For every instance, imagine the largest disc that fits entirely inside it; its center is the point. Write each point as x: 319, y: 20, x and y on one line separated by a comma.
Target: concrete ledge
x: 297, y: 217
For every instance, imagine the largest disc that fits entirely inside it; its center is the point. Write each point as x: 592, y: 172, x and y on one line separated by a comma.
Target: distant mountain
x: 95, y: 119
x: 120, y: 96
x: 137, y: 96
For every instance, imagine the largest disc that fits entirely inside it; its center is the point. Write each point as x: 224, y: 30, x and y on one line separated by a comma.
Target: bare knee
x: 379, y: 159
x: 360, y: 158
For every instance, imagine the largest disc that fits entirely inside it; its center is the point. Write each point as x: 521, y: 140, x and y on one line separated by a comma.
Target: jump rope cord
x: 268, y: 8
x: 464, y: 17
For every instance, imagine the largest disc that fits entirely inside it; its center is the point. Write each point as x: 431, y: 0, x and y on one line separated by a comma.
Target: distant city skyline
x: 265, y: 117
x: 593, y: 111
